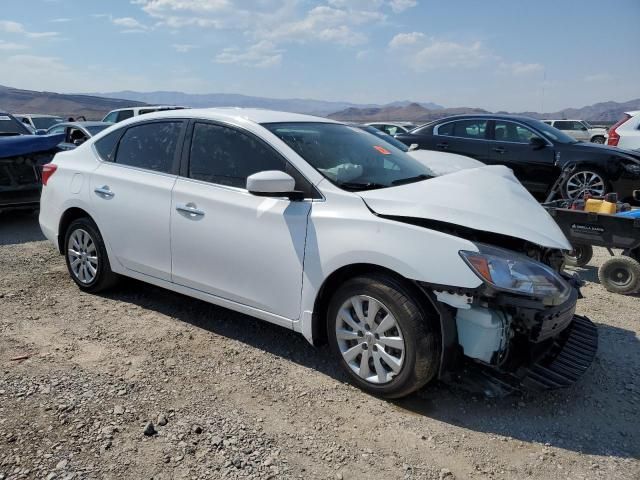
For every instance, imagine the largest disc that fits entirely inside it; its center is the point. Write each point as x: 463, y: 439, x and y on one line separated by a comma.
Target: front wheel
x: 583, y: 181
x: 579, y: 256
x: 383, y: 338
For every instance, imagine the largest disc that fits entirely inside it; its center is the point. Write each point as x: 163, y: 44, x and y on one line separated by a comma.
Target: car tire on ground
x: 598, y: 139
x: 86, y: 257
x: 585, y: 180
x: 620, y: 274
x: 382, y: 336
x: 580, y: 256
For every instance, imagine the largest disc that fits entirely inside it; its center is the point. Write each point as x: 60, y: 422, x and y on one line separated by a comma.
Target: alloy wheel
x: 370, y: 339
x: 83, y: 256
x: 583, y: 182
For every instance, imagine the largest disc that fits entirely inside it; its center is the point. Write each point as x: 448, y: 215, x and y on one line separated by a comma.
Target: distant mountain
x: 413, y: 112
x: 15, y: 100
x: 602, y: 113
x: 297, y: 105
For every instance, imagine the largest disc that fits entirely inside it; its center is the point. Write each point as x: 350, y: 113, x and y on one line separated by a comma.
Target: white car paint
x: 269, y: 257
x: 442, y: 163
x: 629, y: 132
x: 579, y: 129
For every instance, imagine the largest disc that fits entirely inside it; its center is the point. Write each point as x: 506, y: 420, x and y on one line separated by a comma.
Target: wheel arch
x: 69, y: 215
x: 346, y: 272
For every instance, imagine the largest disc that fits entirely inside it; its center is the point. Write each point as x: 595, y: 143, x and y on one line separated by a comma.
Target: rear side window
x: 470, y: 129
x: 151, y: 146
x: 106, y: 145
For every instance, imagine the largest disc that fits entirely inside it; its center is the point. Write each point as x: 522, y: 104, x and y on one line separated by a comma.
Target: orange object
x: 600, y: 206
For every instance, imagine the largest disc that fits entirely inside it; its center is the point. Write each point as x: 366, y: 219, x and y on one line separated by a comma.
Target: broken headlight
x: 512, y: 272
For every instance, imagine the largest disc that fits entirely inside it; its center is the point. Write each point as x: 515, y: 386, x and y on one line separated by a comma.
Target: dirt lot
x: 232, y: 397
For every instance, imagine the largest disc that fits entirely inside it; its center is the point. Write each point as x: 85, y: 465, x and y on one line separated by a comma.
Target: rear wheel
x: 383, y: 338
x: 584, y: 181
x: 620, y: 275
x: 598, y: 139
x: 579, y: 256
x: 86, y: 257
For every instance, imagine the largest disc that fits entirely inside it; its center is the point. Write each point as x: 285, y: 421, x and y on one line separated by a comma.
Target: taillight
x: 48, y: 170
x: 614, y: 137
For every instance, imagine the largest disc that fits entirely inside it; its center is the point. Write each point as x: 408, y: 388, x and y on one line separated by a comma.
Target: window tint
x: 512, y: 132
x: 124, y: 114
x: 564, y: 125
x: 151, y: 146
x: 111, y: 118
x: 56, y: 130
x: 446, y: 129
x: 147, y: 110
x: 470, y: 128
x: 227, y: 156
x: 106, y: 146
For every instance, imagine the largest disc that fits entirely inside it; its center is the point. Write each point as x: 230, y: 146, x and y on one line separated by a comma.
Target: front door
x: 533, y: 166
x: 132, y: 196
x: 228, y: 242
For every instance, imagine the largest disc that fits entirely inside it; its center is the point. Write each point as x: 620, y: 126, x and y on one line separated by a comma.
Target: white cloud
x: 403, y: 39
x: 60, y: 20
x: 599, y: 78
x: 401, y: 5
x: 7, y: 46
x: 129, y: 25
x: 183, y: 47
x: 520, y: 68
x: 424, y: 53
x: 261, y: 55
x: 8, y: 26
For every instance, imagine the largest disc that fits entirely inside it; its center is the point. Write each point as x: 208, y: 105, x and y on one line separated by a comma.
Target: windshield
x: 586, y: 124
x: 350, y: 157
x: 10, y: 126
x: 384, y: 136
x: 95, y: 129
x: 552, y: 133
x: 44, y: 123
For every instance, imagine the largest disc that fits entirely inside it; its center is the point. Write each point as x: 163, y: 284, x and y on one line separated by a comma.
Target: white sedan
x: 322, y: 228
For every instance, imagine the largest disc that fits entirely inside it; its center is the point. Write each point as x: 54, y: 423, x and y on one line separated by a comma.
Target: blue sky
x: 495, y: 54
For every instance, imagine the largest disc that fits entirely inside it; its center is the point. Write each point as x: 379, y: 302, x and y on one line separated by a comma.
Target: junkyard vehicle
x: 323, y: 228
x: 393, y: 128
x: 115, y: 116
x: 76, y: 133
x: 580, y: 130
x: 11, y: 126
x: 535, y: 151
x: 21, y: 160
x: 40, y: 123
x: 625, y: 133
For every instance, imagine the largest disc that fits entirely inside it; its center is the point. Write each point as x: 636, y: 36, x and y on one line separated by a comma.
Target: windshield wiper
x: 417, y: 178
x: 362, y: 186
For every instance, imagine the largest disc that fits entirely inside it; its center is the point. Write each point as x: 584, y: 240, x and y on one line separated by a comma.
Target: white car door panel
x: 132, y: 210
x: 238, y: 246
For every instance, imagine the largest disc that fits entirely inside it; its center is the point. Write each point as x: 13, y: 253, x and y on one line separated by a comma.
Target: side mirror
x: 537, y: 143
x: 273, y: 183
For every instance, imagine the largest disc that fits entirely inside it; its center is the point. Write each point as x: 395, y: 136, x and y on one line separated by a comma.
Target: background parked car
x: 10, y: 126
x: 580, y: 130
x: 393, y: 128
x: 625, y: 133
x: 40, y: 123
x: 115, y: 116
x: 76, y: 133
x: 535, y: 151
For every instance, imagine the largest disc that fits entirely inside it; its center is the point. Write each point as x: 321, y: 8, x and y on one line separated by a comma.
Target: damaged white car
x: 322, y: 228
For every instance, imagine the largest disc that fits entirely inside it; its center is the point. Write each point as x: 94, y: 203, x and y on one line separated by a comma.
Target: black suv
x: 535, y: 151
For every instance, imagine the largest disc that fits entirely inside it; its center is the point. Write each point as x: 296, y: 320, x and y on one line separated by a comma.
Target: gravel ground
x: 144, y: 383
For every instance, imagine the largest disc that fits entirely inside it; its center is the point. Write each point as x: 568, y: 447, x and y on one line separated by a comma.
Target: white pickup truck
x: 580, y: 130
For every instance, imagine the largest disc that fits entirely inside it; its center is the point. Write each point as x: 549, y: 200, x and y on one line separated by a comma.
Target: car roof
x: 633, y: 113
x: 562, y: 120
x: 140, y: 107
x: 82, y: 124
x: 256, y: 115
x: 489, y: 116
x: 36, y: 115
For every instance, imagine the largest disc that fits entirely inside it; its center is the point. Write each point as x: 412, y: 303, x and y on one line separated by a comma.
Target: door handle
x: 104, y: 192
x: 499, y: 150
x: 443, y: 145
x: 190, y: 210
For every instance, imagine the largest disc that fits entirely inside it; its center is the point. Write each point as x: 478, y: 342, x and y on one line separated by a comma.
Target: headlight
x: 517, y: 273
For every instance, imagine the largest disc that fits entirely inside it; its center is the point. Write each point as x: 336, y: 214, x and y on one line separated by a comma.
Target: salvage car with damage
x: 322, y: 228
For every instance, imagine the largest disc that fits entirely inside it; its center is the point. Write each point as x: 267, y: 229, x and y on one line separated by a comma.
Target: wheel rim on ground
x: 370, y: 339
x: 584, y: 182
x: 620, y: 277
x: 83, y: 256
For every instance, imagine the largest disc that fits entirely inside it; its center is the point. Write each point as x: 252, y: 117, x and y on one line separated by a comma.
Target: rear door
x: 465, y: 137
x: 131, y: 193
x: 227, y: 242
x: 534, y: 167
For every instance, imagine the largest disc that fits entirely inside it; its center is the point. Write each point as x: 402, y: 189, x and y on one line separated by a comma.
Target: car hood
x: 442, y: 163
x: 488, y: 199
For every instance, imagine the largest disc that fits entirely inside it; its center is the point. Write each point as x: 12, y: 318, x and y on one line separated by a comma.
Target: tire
x: 81, y: 240
x: 579, y: 256
x: 585, y: 180
x: 620, y: 274
x: 409, y: 355
x: 599, y: 139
